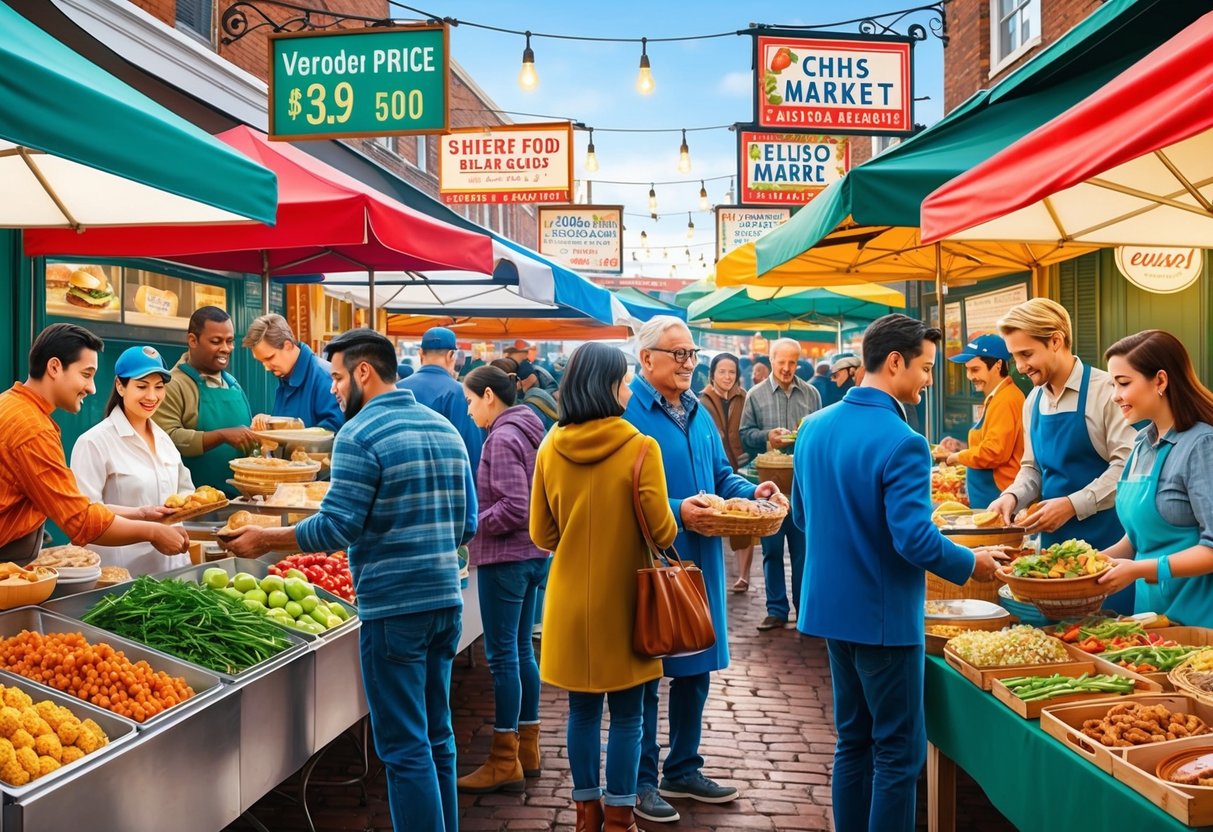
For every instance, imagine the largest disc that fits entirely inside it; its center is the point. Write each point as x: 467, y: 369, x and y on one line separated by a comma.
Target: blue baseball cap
x: 983, y: 346
x: 438, y: 338
x: 139, y: 362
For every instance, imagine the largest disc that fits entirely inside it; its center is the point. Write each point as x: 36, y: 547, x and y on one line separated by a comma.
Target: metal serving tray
x: 119, y: 730
x: 40, y: 620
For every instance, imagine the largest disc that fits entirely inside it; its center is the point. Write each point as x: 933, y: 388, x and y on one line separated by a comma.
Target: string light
x: 591, y: 158
x: 688, y: 254
x: 684, y: 155
x: 528, y: 78
x: 644, y: 239
x: 652, y: 200
x: 690, y: 227
x: 728, y: 197
x: 644, y: 81
x: 704, y: 205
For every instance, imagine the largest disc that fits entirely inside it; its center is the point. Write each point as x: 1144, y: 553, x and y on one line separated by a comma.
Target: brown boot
x: 589, y: 815
x: 618, y: 819
x: 528, y: 749
x: 502, y: 772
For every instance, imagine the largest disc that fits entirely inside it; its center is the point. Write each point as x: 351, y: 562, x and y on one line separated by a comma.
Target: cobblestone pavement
x: 768, y: 731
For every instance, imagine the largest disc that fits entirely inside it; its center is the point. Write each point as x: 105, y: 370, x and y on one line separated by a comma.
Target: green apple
x: 244, y: 581
x: 309, y: 603
x: 278, y: 598
x: 272, y: 583
x: 256, y: 595
x: 215, y: 578
x: 321, y: 614
x: 295, y: 573
x: 293, y: 609
x: 297, y: 589
x: 254, y: 605
x: 339, y: 611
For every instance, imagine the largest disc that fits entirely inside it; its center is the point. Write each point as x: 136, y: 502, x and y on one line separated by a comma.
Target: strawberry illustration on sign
x: 783, y: 59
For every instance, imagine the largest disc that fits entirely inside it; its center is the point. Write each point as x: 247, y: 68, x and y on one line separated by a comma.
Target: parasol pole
x: 935, y: 401
x: 373, y: 322
x: 265, y: 282
x: 840, y: 335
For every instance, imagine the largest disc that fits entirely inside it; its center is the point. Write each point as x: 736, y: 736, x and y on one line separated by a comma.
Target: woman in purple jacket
x: 510, y: 569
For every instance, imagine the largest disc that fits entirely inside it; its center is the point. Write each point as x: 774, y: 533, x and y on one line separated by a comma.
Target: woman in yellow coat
x: 581, y: 510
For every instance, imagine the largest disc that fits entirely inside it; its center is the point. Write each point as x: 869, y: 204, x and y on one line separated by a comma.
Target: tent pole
x: 371, y: 303
x: 935, y: 400
x: 265, y: 282
x: 840, y: 334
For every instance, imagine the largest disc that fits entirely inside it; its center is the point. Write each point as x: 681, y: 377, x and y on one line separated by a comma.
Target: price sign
x: 365, y: 82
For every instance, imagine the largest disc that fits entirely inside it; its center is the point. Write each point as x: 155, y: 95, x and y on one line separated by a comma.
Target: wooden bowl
x: 1167, y: 766
x: 1057, y: 598
x: 34, y: 592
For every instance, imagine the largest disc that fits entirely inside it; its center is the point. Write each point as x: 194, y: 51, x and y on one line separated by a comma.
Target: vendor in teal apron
x: 1165, y: 498
x: 1076, y: 441
x: 996, y: 441
x: 205, y: 411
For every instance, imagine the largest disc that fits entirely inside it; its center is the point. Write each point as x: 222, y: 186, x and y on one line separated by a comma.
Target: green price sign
x: 366, y: 82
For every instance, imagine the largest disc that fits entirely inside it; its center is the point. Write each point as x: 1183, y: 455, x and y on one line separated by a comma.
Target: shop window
x: 195, y: 16
x: 153, y: 299
x: 84, y: 290
x: 423, y: 154
x: 118, y: 294
x: 1014, y: 29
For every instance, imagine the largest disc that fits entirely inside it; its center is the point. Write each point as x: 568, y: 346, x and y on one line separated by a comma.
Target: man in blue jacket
x: 304, y: 387
x: 435, y: 387
x: 662, y: 406
x: 861, y: 480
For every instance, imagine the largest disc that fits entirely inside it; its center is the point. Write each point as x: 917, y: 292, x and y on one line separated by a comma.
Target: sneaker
x: 651, y: 807
x: 792, y: 617
x: 697, y: 787
x: 773, y: 622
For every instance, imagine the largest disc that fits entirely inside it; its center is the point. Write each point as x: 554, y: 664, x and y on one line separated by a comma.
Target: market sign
x: 511, y: 163
x: 361, y: 82
x: 788, y: 168
x: 737, y: 225
x: 834, y: 85
x: 583, y: 237
x: 1158, y: 269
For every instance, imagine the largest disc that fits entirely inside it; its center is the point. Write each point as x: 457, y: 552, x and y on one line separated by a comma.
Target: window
x: 195, y: 16
x: 882, y: 143
x: 423, y: 154
x: 388, y: 143
x: 1014, y: 29
x: 132, y: 296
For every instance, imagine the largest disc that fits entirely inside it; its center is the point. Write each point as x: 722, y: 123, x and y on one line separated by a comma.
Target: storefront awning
x: 887, y: 191
x: 778, y: 305
x: 80, y: 148
x: 1130, y: 165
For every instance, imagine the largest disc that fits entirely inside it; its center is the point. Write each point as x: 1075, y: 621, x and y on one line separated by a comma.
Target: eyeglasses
x: 680, y: 356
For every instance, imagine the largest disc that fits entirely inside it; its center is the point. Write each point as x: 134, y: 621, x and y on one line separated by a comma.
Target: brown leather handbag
x: 672, y: 613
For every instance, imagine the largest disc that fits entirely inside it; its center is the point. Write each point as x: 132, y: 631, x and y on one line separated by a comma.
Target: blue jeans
x: 688, y: 695
x: 406, y: 667
x: 623, y: 745
x: 507, y: 607
x: 882, y: 735
x: 772, y: 567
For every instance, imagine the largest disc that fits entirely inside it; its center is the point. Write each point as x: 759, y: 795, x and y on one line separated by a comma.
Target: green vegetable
x: 191, y: 622
x: 1037, y: 688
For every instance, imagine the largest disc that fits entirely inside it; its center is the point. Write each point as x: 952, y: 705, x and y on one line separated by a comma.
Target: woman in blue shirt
x: 1165, y: 496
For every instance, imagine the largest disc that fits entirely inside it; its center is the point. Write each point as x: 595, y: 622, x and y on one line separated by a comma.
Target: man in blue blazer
x: 862, y: 485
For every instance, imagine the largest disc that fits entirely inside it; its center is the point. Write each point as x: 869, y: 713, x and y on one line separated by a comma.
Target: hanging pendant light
x: 528, y: 78
x: 704, y: 205
x: 652, y: 200
x: 684, y: 155
x: 591, y: 158
x: 690, y: 227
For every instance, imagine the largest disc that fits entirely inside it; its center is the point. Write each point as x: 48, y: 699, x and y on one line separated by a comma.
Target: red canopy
x: 326, y: 222
x: 1127, y: 165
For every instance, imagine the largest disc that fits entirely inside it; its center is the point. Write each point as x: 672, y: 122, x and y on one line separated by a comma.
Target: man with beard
x: 205, y: 411
x: 303, y: 378
x: 435, y: 387
x: 401, y: 503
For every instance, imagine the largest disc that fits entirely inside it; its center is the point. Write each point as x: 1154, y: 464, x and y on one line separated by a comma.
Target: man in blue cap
x: 434, y: 386
x: 995, y: 443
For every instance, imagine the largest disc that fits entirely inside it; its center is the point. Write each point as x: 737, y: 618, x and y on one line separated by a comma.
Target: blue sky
x: 698, y: 83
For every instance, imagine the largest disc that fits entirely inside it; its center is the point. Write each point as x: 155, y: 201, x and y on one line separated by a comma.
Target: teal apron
x: 979, y: 482
x: 218, y: 408
x: 1186, y: 600
x: 1068, y: 462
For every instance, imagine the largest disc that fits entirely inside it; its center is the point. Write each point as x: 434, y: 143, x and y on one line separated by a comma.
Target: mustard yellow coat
x: 581, y: 510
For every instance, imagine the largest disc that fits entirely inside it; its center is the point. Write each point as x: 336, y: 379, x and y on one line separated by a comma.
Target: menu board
x: 983, y: 311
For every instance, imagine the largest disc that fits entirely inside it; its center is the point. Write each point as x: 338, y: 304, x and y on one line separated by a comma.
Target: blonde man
x: 1076, y: 441
x: 304, y: 386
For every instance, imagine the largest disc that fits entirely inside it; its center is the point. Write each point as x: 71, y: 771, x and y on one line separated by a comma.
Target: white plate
x: 80, y: 577
x: 965, y: 610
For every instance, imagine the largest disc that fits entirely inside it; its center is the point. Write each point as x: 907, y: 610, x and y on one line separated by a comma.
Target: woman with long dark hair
x: 1165, y: 495
x: 724, y: 399
x: 582, y: 510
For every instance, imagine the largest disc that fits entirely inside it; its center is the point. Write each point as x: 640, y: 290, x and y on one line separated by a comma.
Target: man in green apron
x: 205, y: 411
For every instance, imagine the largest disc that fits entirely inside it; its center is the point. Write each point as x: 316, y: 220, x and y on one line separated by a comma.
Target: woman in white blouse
x: 129, y: 463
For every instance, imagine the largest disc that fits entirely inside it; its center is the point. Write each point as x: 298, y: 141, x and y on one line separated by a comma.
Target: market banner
x: 788, y: 168
x: 1159, y: 269
x: 507, y: 163
x: 840, y: 84
x: 359, y: 82
x: 583, y: 237
x: 737, y: 225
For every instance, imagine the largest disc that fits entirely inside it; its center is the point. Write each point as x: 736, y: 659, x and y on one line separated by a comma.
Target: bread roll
x: 152, y: 301
x: 58, y: 275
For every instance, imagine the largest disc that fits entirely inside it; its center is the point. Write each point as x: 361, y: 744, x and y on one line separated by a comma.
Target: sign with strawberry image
x: 840, y: 85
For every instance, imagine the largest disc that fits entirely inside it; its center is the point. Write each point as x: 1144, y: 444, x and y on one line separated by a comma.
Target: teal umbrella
x: 694, y: 291
x: 865, y: 302
x: 79, y: 148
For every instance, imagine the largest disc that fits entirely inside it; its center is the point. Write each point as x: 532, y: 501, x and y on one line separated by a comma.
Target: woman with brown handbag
x: 582, y: 510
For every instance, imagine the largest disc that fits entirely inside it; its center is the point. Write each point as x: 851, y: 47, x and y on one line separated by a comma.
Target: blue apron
x: 1069, y: 462
x: 1186, y: 600
x: 979, y: 482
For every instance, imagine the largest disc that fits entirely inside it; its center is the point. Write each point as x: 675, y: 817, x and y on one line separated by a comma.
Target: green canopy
x: 848, y: 304
x: 889, y: 189
x: 694, y: 291
x: 79, y: 147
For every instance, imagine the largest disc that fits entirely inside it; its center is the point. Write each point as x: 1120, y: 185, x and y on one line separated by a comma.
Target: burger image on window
x: 89, y: 288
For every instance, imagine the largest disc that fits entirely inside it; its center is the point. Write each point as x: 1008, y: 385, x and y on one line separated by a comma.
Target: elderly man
x: 304, y: 388
x: 774, y: 409
x: 435, y: 387
x: 663, y: 407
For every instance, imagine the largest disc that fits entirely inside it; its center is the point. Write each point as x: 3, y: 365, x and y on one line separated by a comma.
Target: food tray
x: 77, y: 606
x: 47, y: 620
x: 1031, y: 710
x: 191, y: 513
x: 984, y: 677
x: 936, y: 643
x: 247, y: 471
x: 1192, y: 805
x: 253, y: 489
x: 1189, y: 636
x: 311, y: 441
x: 1064, y: 722
x: 260, y: 507
x: 985, y: 536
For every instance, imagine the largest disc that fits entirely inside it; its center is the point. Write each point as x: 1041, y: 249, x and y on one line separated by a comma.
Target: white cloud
x: 737, y: 84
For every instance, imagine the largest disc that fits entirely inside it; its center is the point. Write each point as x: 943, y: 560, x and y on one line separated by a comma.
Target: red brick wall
x: 967, y: 57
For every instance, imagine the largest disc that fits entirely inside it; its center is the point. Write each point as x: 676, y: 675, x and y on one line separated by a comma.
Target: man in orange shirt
x: 35, y: 482
x: 996, y: 441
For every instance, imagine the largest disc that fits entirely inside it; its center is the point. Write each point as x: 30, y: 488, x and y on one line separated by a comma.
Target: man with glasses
x: 662, y: 406
x: 773, y: 410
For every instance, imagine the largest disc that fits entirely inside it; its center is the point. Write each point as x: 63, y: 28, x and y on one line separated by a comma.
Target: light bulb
x: 652, y: 199
x: 704, y: 205
x: 728, y: 197
x: 688, y: 254
x: 528, y: 78
x: 644, y: 238
x: 644, y: 81
x: 684, y: 155
x: 690, y: 227
x: 591, y: 158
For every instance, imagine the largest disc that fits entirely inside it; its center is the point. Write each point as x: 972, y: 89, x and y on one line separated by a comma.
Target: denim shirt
x: 1185, y: 484
x: 681, y: 416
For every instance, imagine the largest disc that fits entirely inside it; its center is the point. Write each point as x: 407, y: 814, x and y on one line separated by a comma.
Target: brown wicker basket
x: 939, y: 589
x: 1179, y: 678
x: 777, y: 468
x: 733, y: 525
x: 251, y: 470
x: 1057, y: 598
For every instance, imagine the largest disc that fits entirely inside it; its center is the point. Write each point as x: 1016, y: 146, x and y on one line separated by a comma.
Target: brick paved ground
x: 767, y: 731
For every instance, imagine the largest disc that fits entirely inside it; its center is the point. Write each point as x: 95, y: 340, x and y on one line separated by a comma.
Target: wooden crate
x: 1031, y: 710
x: 935, y: 644
x: 1193, y: 636
x: 1192, y: 805
x: 1064, y: 723
x: 984, y: 677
